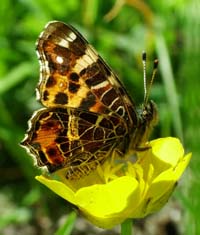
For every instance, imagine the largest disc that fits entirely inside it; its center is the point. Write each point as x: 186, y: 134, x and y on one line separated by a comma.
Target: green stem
x: 67, y: 227
x: 127, y: 227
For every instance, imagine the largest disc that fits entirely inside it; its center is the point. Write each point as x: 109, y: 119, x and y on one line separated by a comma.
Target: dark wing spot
x: 76, y: 48
x: 87, y: 134
x: 34, y: 135
x: 104, y: 66
x: 73, y: 87
x: 61, y: 139
x: 65, y: 146
x: 50, y: 125
x: 61, y: 98
x: 89, y: 117
x: 120, y: 130
x: 42, y: 158
x: 95, y: 79
x: 43, y: 115
x: 109, y: 97
x: 106, y: 123
x: 51, y: 152
x: 37, y: 125
x: 99, y: 134
x: 89, y: 101
x: 121, y: 111
x: 74, y: 77
x: 83, y: 71
x: 54, y: 155
x: 51, y: 82
x: 45, y: 95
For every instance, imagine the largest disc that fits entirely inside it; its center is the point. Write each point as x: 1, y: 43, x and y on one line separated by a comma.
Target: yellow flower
x: 125, y: 189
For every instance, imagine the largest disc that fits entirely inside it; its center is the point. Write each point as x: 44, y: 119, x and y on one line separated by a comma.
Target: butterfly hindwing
x: 72, y: 138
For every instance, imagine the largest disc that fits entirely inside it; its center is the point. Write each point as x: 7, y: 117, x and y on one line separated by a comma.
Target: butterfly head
x: 148, y: 118
x: 148, y: 115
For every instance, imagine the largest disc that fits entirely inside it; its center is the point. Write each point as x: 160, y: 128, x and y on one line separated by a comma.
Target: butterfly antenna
x: 144, y: 60
x: 155, y: 67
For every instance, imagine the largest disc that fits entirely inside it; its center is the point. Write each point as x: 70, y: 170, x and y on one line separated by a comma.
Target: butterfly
x: 88, y: 116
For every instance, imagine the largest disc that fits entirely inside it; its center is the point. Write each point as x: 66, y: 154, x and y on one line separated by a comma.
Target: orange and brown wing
x: 74, y: 75
x: 74, y: 139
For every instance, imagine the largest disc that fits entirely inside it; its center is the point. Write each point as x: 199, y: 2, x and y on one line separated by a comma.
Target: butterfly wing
x: 74, y: 139
x: 74, y: 75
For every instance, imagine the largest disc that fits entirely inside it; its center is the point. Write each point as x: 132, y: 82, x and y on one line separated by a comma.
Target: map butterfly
x: 88, y: 115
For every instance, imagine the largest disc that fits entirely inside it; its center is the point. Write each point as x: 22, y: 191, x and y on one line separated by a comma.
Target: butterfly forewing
x: 74, y: 75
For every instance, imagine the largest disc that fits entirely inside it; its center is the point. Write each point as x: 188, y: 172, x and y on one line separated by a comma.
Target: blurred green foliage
x: 168, y: 30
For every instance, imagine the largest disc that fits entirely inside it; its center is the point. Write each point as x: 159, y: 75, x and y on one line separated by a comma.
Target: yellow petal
x: 181, y: 166
x: 168, y: 150
x: 109, y: 204
x: 163, y: 154
x: 162, y: 187
x: 58, y: 187
x: 160, y: 191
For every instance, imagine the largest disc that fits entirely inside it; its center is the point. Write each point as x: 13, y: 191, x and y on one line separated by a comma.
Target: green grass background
x: 167, y: 30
